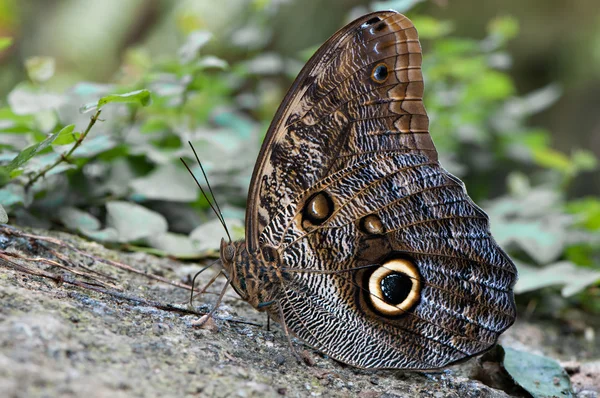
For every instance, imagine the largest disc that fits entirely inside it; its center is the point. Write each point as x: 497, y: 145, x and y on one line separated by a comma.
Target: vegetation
x: 111, y: 171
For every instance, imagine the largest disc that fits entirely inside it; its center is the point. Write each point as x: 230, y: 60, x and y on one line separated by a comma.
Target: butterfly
x: 357, y: 241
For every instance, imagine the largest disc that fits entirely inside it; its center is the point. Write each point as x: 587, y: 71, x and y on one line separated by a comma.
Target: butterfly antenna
x: 217, y: 209
x: 207, y: 183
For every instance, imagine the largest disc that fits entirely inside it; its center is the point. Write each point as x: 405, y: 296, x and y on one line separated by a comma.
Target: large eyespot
x: 318, y: 208
x: 379, y: 74
x: 371, y: 225
x: 395, y: 287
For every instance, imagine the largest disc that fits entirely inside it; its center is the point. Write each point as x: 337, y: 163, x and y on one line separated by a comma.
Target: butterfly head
x: 227, y: 252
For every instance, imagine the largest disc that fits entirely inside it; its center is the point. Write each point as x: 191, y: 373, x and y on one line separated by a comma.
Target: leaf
x: 5, y: 42
x: 588, y: 212
x: 78, y: 220
x: 177, y: 245
x: 66, y: 136
x: 265, y: 64
x: 40, y: 69
x: 93, y: 146
x: 540, y: 376
x: 3, y: 215
x: 211, y: 61
x: 506, y: 27
x: 167, y: 182
x: 12, y: 194
x: 134, y: 222
x: 543, y: 240
x: 141, y: 97
x: 195, y: 41
x: 102, y: 235
x: 584, y: 160
x: 493, y: 85
x: 208, y: 234
x: 25, y: 100
x: 572, y: 278
x: 552, y: 159
x: 27, y: 154
x: 431, y: 28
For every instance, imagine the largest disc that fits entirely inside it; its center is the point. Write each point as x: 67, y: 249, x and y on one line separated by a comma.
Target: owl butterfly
x: 357, y: 241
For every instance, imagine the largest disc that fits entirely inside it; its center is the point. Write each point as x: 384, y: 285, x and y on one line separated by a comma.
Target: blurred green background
x: 512, y: 89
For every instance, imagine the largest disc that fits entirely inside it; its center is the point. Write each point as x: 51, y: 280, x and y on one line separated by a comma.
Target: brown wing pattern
x: 352, y: 141
x: 335, y: 112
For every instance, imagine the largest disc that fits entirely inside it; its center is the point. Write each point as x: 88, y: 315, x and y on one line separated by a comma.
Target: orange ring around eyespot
x: 394, y: 266
x: 387, y: 73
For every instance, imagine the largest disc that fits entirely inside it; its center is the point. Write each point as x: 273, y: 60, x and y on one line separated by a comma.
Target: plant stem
x: 65, y: 156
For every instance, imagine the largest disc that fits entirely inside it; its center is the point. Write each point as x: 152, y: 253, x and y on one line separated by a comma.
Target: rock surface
x: 67, y: 341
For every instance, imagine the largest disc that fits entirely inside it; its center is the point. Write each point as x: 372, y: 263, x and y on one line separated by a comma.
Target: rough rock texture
x: 68, y: 341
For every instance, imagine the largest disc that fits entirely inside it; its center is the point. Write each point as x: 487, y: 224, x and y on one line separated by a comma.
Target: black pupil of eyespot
x: 396, y: 288
x: 380, y: 73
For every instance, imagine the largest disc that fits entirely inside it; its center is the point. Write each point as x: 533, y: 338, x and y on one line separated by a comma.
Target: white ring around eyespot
x: 390, y: 267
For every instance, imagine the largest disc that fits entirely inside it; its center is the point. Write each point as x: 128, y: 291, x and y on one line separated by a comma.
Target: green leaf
x: 27, y: 154
x: 208, y: 235
x: 540, y: 376
x: 5, y: 42
x: 3, y: 215
x: 25, y: 99
x: 167, y: 182
x: 177, y: 245
x: 588, y: 211
x: 141, y: 97
x: 134, y: 222
x: 584, y: 160
x: 195, y: 41
x: 533, y: 278
x: 66, y: 136
x: 93, y: 146
x: 543, y: 240
x: 552, y: 159
x: 493, y: 85
x: 12, y: 194
x: 101, y: 235
x: 40, y: 69
x: 506, y: 27
x: 78, y: 220
x: 431, y: 28
x: 211, y: 62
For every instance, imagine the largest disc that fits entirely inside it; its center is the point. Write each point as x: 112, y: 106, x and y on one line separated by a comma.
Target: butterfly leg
x: 213, y: 279
x: 205, y: 318
x: 287, y: 332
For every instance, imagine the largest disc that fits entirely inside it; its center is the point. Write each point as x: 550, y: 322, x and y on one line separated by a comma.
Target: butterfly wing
x: 348, y: 191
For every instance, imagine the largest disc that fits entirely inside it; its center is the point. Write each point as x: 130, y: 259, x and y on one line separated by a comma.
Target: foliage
x: 120, y: 181
x: 539, y: 376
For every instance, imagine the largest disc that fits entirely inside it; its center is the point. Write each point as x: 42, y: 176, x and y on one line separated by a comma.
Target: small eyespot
x: 394, y: 287
x: 380, y: 73
x: 371, y: 21
x: 318, y: 208
x: 380, y: 27
x: 371, y: 225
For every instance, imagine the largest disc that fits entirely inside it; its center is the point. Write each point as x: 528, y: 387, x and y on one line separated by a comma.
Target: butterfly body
x: 357, y: 240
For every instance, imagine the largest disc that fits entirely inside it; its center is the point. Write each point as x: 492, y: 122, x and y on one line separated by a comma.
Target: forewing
x: 336, y: 113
